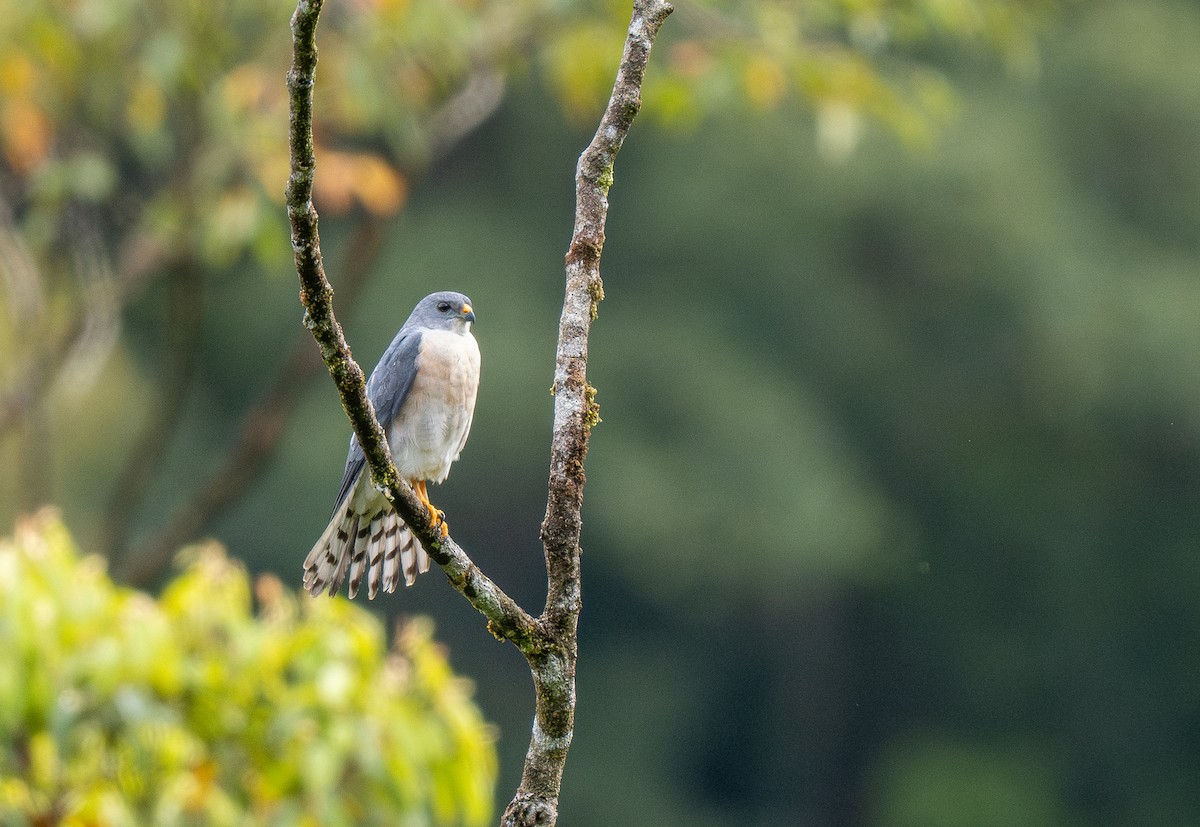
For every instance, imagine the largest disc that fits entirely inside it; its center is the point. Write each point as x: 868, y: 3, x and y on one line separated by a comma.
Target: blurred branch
x: 466, y: 110
x: 136, y: 475
x: 261, y: 429
x: 70, y: 355
x: 548, y: 642
x: 73, y: 354
x: 26, y: 392
x: 100, y: 302
x: 23, y: 285
x: 18, y: 273
x: 263, y: 425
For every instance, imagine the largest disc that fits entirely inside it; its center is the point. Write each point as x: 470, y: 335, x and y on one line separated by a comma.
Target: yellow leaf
x: 380, y: 189
x: 333, y: 189
x: 146, y: 107
x: 16, y: 75
x: 765, y: 82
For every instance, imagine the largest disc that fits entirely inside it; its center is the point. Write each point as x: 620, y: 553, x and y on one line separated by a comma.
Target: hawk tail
x: 379, y: 547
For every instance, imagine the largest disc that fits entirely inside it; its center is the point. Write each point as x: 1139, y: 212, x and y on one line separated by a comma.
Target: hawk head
x: 443, y: 311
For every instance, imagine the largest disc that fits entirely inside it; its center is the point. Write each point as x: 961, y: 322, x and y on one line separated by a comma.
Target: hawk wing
x: 387, y: 388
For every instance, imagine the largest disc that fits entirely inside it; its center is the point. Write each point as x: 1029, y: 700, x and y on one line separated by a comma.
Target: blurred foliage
x: 850, y: 60
x: 119, y: 709
x: 145, y: 145
x: 895, y: 508
x: 170, y: 118
x: 932, y: 782
x: 893, y: 514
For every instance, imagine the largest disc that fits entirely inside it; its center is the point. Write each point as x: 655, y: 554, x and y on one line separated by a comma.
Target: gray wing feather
x: 387, y: 388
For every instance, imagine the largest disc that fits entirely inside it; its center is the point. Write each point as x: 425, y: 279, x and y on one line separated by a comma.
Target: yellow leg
x: 436, y: 517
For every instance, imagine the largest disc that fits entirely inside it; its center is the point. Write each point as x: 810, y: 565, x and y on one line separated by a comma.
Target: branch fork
x: 548, y: 642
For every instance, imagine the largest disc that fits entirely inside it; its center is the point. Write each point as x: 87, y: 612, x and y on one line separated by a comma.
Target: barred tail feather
x: 420, y: 562
x: 326, y: 564
x: 370, y: 557
x: 385, y: 575
x: 378, y: 548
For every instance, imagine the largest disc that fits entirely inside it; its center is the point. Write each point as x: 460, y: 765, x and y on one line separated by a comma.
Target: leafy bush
x: 119, y: 709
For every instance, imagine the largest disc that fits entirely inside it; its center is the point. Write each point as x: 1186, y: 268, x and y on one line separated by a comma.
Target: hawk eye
x: 444, y: 307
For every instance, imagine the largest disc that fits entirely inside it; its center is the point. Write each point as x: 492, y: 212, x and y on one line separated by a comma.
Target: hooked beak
x: 468, y: 313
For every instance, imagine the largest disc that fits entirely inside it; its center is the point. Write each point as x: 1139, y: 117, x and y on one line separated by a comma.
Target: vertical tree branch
x: 575, y: 411
x: 549, y: 642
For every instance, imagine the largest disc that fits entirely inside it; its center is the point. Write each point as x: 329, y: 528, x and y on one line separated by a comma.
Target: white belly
x: 429, y: 432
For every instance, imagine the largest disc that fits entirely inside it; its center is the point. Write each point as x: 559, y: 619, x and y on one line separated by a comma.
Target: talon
x: 436, y: 518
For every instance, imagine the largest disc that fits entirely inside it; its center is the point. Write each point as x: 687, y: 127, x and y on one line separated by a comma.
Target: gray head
x: 443, y: 311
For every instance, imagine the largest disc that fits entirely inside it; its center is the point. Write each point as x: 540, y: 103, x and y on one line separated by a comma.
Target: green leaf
x: 201, y: 708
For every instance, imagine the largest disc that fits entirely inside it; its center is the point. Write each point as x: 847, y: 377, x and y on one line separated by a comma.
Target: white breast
x: 429, y: 432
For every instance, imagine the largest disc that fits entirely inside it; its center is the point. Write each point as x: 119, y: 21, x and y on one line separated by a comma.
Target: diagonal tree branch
x: 505, y: 618
x: 258, y: 437
x: 262, y: 426
x: 549, y: 641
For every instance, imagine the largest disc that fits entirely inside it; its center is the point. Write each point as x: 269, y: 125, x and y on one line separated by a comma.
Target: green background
x: 892, y: 515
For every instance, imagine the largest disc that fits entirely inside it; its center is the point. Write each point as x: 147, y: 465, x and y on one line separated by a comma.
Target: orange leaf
x: 26, y: 133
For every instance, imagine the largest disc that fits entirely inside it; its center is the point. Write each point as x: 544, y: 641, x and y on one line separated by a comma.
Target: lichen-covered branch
x: 548, y: 642
x: 536, y: 801
x: 505, y: 618
x: 574, y: 400
x: 258, y: 436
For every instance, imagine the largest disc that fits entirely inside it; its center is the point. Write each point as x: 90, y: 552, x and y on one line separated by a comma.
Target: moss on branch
x: 549, y: 642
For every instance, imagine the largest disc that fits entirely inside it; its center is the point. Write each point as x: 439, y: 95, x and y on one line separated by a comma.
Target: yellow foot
x: 436, y: 518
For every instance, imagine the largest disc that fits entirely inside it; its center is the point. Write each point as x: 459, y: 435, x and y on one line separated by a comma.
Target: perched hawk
x: 423, y: 391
